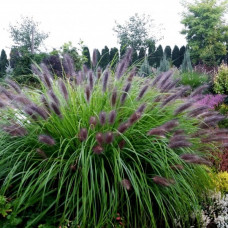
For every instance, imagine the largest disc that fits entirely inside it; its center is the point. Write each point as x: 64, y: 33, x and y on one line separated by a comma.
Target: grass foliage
x: 102, y: 143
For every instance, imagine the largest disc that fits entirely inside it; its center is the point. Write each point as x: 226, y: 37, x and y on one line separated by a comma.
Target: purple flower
x: 102, y: 117
x: 112, y: 117
x: 46, y: 139
x: 83, y: 134
x: 98, y: 149
x: 163, y: 181
x: 211, y: 101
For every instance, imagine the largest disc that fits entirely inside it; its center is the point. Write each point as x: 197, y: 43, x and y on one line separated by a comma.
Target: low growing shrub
x: 221, y: 80
x: 105, y: 144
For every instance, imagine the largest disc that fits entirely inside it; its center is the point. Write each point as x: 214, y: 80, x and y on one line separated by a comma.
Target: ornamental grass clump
x: 88, y: 147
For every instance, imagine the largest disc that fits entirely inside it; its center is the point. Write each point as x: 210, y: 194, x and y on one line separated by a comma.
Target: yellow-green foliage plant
x: 221, y: 80
x: 95, y: 144
x: 221, y: 181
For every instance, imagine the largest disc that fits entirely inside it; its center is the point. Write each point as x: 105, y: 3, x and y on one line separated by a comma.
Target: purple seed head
x: 87, y: 93
x: 93, y: 121
x: 98, y: 149
x: 83, y: 134
x: 63, y: 89
x: 197, y: 111
x: 105, y: 80
x: 30, y: 112
x: 134, y: 117
x: 121, y: 144
x: 131, y: 75
x: 91, y: 82
x: 45, y: 103
x: 22, y: 100
x: 41, y: 153
x: 102, y: 117
x: 8, y: 94
x: 112, y: 117
x: 99, y: 72
x: 15, y: 130
x: 125, y: 91
x: 99, y: 138
x: 179, y: 144
x: 36, y: 71
x: 114, y: 97
x: 141, y: 108
x: 123, y: 127
x: 121, y: 68
x: 169, y: 99
x: 56, y: 109
x: 14, y: 85
x: 109, y: 137
x: 163, y: 181
x: 85, y: 70
x: 46, y: 139
x: 199, y: 90
x: 126, y: 184
x: 168, y: 126
x: 157, y: 79
x: 177, y: 167
x: 94, y: 59
x: 47, y: 78
x: 182, y: 108
x: 54, y: 97
x: 40, y: 111
x: 68, y: 65
x: 157, y: 131
x: 142, y: 92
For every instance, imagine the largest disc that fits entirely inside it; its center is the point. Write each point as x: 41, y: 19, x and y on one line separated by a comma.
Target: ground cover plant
x: 95, y: 146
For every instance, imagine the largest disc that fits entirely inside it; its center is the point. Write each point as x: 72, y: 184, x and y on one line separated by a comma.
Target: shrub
x: 211, y: 101
x: 221, y: 80
x: 193, y: 79
x: 103, y: 144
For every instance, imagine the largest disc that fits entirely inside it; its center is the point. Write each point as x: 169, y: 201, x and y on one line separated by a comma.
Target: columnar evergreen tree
x: 164, y: 64
x: 134, y: 59
x: 186, y: 65
x: 176, y: 56
x: 158, y: 55
x: 182, y: 53
x: 114, y: 56
x: 142, y: 54
x: 167, y: 52
x: 86, y: 53
x: 105, y: 58
x: 151, y: 57
x: 145, y: 69
x: 3, y: 63
x: 98, y: 57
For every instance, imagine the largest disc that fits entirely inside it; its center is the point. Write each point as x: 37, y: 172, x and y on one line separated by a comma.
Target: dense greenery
x: 3, y: 63
x: 103, y: 144
x: 205, y: 30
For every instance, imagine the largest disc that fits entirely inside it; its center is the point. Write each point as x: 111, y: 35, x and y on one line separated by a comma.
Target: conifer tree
x: 176, y: 56
x: 186, y: 65
x: 3, y: 63
x: 86, y: 53
x: 145, y: 69
x: 142, y: 54
x: 182, y: 53
x: 164, y: 64
x: 167, y: 52
x: 151, y: 51
x: 105, y: 59
x: 114, y: 56
x: 158, y: 55
x: 134, y: 59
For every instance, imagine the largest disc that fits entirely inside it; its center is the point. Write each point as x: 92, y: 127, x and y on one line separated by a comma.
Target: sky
x: 91, y: 21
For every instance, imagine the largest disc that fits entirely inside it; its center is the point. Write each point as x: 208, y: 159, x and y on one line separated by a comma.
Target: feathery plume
x: 40, y: 111
x: 121, y: 144
x: 92, y: 121
x: 102, y: 117
x: 125, y: 91
x: 179, y: 144
x: 114, y: 97
x: 194, y: 159
x: 63, y: 89
x: 85, y: 71
x: 98, y: 149
x: 2, y: 104
x: 120, y: 68
x: 41, y: 153
x: 105, y: 80
x: 14, y: 85
x: 157, y: 79
x: 112, y: 117
x: 87, y: 93
x: 56, y: 109
x: 83, y: 134
x: 142, y: 92
x: 168, y: 126
x: 109, y: 137
x: 141, y: 108
x: 163, y: 181
x: 178, y: 132
x: 99, y: 72
x: 15, y: 130
x: 46, y: 139
x: 182, y: 108
x: 8, y: 94
x: 157, y: 131
x: 126, y: 184
x: 36, y: 71
x: 131, y: 75
x: 123, y: 127
x: 54, y: 97
x: 45, y: 102
x: 197, y: 111
x: 91, y: 82
x: 134, y: 117
x: 177, y: 138
x: 177, y: 167
x: 199, y: 90
x: 30, y: 112
x: 22, y: 100
x: 94, y: 59
x: 99, y: 138
x: 166, y: 76
x: 47, y: 78
x: 68, y: 65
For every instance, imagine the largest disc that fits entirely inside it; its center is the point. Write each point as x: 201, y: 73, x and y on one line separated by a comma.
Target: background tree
x: 114, y: 56
x: 26, y: 35
x: 135, y: 57
x: 205, y: 30
x: 158, y: 55
x: 105, y: 59
x: 168, y: 52
x: 3, y: 63
x: 86, y: 53
x: 176, y: 56
x: 142, y: 53
x: 182, y: 53
x: 164, y: 64
x: 151, y: 50
x: 136, y: 32
x: 186, y: 65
